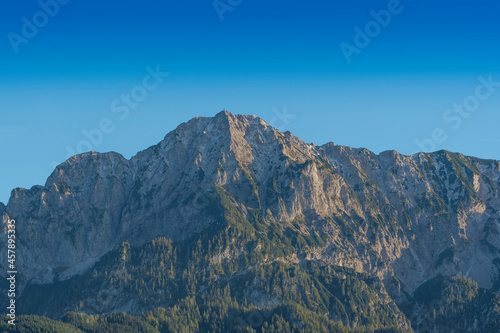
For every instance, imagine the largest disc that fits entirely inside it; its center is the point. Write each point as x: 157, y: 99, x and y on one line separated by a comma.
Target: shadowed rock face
x: 412, y: 217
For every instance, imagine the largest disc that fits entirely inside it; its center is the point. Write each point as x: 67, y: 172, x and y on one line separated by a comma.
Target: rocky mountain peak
x: 243, y: 188
x: 383, y: 214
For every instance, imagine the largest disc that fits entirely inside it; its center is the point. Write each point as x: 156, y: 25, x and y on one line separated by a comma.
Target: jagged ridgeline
x: 231, y: 225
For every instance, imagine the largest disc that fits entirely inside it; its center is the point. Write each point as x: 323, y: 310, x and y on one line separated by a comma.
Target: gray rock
x: 411, y: 217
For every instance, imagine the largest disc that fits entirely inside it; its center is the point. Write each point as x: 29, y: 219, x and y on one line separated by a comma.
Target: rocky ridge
x: 403, y: 219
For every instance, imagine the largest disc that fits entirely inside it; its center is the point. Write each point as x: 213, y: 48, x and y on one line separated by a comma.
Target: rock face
x: 390, y: 215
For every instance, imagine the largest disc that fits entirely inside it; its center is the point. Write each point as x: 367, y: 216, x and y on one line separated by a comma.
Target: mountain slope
x: 230, y: 196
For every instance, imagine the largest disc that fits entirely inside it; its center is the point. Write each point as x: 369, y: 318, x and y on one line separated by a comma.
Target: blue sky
x: 280, y: 60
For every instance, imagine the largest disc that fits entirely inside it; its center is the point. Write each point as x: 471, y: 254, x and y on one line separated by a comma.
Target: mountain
x: 228, y: 219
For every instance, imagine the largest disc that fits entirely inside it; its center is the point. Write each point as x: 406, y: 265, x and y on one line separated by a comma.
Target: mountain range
x: 228, y: 224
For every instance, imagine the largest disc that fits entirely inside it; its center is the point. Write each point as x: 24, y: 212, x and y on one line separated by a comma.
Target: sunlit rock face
x: 390, y: 215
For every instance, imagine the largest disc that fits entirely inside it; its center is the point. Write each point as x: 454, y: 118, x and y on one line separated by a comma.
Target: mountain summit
x: 239, y: 196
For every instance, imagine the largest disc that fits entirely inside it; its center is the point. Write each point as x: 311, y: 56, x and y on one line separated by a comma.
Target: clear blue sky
x: 264, y: 57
